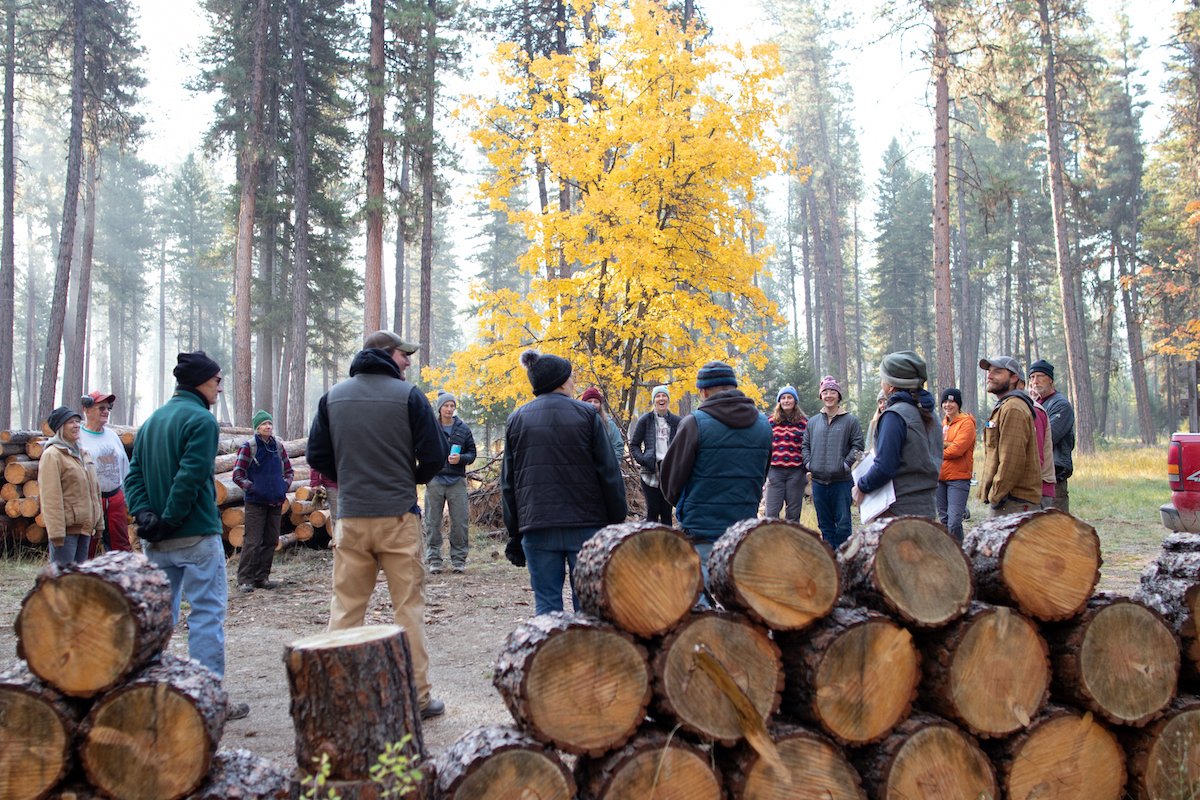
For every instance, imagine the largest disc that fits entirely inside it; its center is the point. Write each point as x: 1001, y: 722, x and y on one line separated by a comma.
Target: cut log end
x: 922, y: 572
x: 1051, y: 564
x: 36, y: 742
x: 937, y: 762
x: 1064, y: 754
x: 814, y: 767
x: 654, y: 764
x: 500, y: 763
x: 1129, y: 661
x: 1164, y: 760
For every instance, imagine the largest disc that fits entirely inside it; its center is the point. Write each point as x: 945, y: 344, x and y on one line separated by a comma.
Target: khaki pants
x: 363, y: 546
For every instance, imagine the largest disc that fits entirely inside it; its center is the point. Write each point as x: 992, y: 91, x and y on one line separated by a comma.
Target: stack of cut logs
x: 304, y: 511
x: 904, y: 667
x: 96, y: 708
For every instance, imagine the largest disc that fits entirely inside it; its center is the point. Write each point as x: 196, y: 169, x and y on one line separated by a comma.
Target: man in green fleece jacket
x: 171, y: 496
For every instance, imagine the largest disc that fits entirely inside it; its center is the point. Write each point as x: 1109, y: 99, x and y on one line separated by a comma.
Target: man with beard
x: 1011, y: 481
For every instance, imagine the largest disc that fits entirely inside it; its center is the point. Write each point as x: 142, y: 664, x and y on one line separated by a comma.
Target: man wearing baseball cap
x: 1011, y: 481
x: 1062, y: 428
x: 112, y: 465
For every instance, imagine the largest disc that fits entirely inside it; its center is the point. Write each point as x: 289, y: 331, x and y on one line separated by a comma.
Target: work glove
x: 150, y: 527
x: 514, y: 552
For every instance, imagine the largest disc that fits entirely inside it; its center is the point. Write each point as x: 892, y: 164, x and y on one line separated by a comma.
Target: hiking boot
x: 238, y: 711
x: 459, y: 570
x: 436, y: 569
x: 246, y: 588
x: 267, y: 584
x: 434, y: 708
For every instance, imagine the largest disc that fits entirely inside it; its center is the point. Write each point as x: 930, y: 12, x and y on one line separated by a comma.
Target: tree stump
x: 929, y: 758
x: 1065, y: 754
x: 641, y: 576
x: 574, y: 682
x: 854, y: 673
x: 780, y: 574
x: 353, y: 694
x: 718, y: 675
x: 37, y: 725
x: 1171, y: 586
x: 989, y: 672
x: 1118, y: 658
x: 501, y: 762
x: 815, y: 769
x: 909, y: 567
x: 1045, y: 562
x: 153, y: 738
x: 1164, y: 756
x: 84, y: 627
x: 652, y: 764
x: 241, y: 775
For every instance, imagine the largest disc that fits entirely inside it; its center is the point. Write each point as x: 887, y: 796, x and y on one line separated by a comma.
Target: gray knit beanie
x: 904, y: 370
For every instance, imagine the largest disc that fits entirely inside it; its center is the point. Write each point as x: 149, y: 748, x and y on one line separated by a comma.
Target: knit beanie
x: 715, y: 373
x: 830, y: 382
x: 445, y: 397
x: 788, y: 390
x: 952, y: 394
x: 661, y: 389
x: 60, y: 416
x: 193, y: 369
x: 591, y: 393
x: 1043, y: 366
x: 546, y: 372
x: 904, y: 370
x: 260, y: 417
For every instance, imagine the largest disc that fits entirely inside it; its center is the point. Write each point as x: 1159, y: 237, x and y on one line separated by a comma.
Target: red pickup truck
x: 1183, y: 471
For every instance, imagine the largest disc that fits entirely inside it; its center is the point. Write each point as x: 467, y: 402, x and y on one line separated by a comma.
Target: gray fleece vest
x: 920, y: 462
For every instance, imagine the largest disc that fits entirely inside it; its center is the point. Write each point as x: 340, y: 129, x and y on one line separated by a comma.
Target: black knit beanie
x: 546, y: 372
x: 193, y: 369
x: 59, y: 417
x: 953, y: 394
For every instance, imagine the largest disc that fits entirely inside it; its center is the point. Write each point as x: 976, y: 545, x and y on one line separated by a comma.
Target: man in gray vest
x: 376, y: 436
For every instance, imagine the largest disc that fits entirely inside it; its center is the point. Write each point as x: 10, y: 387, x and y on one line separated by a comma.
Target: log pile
x: 903, y: 666
x: 94, y: 707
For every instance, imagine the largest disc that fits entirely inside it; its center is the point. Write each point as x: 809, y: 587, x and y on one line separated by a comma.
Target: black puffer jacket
x: 559, y: 470
x: 459, y: 435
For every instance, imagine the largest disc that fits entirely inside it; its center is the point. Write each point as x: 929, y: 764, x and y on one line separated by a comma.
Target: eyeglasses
x: 104, y: 408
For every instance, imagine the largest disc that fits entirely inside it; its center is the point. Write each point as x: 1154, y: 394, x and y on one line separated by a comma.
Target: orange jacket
x: 958, y: 449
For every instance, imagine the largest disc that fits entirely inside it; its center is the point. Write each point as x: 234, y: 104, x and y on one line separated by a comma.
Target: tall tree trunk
x: 806, y: 277
x: 117, y: 363
x: 76, y: 350
x: 1137, y: 354
x: 427, y: 145
x: 373, y: 279
x: 8, y: 258
x: 243, y: 266
x: 160, y: 385
x: 267, y: 367
x: 791, y: 261
x: 943, y: 321
x: 968, y: 345
x: 298, y: 340
x: 402, y: 207
x: 1108, y: 291
x: 66, y: 240
x: 29, y: 414
x: 1076, y: 340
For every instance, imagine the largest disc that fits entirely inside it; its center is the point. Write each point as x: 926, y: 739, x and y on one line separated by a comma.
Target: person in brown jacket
x: 1012, y: 475
x: 70, y: 490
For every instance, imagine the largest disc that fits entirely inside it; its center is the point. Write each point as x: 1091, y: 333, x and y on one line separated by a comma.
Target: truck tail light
x: 1174, y: 454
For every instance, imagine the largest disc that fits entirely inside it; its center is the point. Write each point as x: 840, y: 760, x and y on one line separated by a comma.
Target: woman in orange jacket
x: 958, y: 462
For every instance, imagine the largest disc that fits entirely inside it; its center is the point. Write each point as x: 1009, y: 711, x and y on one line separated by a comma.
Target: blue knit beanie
x: 715, y: 373
x: 788, y: 390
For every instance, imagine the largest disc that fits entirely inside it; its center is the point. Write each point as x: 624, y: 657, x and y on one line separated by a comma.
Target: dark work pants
x: 258, y: 545
x: 657, y: 507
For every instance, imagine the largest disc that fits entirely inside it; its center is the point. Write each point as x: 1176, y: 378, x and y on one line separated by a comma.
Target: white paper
x: 878, y: 501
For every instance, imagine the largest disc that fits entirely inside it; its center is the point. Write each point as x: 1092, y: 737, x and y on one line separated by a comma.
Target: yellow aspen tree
x: 660, y: 136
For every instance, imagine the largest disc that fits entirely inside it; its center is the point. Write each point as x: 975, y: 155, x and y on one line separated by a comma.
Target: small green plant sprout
x: 395, y: 771
x: 314, y: 785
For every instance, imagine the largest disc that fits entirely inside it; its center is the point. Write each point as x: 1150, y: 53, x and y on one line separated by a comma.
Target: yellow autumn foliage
x: 650, y: 273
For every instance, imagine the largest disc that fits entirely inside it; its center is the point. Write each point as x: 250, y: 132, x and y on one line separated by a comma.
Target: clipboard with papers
x: 878, y: 501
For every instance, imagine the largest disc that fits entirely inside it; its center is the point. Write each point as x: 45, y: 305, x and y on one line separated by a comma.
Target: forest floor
x: 467, y: 619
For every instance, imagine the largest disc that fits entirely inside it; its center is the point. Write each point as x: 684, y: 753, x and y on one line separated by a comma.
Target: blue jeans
x: 197, y: 572
x: 831, y: 501
x: 73, y: 550
x: 705, y: 550
x: 951, y: 500
x: 551, y: 554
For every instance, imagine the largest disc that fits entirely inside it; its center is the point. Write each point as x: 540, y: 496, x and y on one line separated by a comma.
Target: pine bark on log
x: 909, y: 567
x: 929, y: 758
x: 1119, y: 658
x: 241, y: 775
x: 1164, y: 756
x: 37, y: 726
x: 11, y: 449
x: 21, y: 471
x: 742, y: 695
x: 651, y: 764
x: 574, y: 682
x: 641, y: 576
x: 286, y: 542
x: 227, y: 491
x: 501, y: 762
x: 18, y: 436
x: 1171, y: 586
x: 154, y: 737
x: 1065, y: 754
x: 295, y: 449
x: 780, y: 574
x: 816, y: 769
x: 353, y: 694
x: 1045, y: 562
x: 85, y: 626
x: 989, y: 672
x: 854, y: 673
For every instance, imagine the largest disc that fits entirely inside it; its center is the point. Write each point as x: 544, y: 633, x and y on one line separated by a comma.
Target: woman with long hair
x: 958, y: 462
x: 786, y: 478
